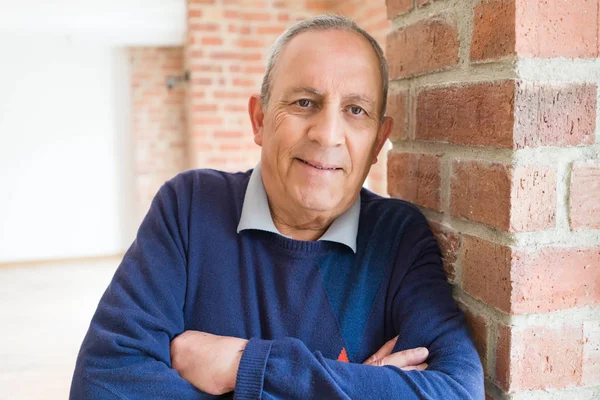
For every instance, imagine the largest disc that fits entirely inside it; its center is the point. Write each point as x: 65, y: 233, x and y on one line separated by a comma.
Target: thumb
x: 385, y: 350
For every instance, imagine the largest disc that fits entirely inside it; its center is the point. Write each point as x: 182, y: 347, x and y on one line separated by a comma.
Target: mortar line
x: 463, y: 74
x: 558, y: 70
x: 528, y: 156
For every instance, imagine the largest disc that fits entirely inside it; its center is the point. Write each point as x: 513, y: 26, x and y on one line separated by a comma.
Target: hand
x: 406, y: 360
x: 209, y: 362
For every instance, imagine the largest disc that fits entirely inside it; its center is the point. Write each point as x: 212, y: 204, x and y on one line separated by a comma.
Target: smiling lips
x: 320, y: 166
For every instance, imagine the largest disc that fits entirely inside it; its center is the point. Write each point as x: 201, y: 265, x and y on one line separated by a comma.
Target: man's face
x: 320, y: 133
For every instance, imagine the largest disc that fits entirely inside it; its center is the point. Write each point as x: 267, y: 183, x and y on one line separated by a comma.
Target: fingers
x: 404, y: 359
x: 420, y: 367
x: 384, y: 351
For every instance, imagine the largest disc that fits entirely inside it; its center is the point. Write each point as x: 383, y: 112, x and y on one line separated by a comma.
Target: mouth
x: 317, y: 165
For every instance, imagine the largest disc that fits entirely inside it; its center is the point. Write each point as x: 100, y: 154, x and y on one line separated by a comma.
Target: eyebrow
x: 352, y: 97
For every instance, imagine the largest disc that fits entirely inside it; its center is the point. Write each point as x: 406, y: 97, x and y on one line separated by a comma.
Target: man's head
x: 321, y: 23
x: 320, y: 117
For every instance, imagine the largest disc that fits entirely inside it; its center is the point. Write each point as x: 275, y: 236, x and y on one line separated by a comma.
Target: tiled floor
x: 45, y: 311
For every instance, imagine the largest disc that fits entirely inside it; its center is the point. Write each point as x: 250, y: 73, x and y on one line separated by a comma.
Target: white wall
x: 113, y: 22
x: 66, y: 179
x: 66, y: 172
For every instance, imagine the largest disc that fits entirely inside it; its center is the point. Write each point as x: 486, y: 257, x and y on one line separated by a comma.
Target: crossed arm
x: 131, y: 344
x: 211, y: 362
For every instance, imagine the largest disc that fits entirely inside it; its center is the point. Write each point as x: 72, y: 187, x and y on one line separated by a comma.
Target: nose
x: 328, y: 129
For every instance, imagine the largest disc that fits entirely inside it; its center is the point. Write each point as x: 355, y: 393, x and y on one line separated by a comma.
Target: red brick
x: 194, y: 13
x: 259, y: 69
x: 204, y: 108
x: 533, y: 198
x: 585, y: 196
x: 557, y: 28
x: 449, y: 242
x: 486, y: 271
x: 554, y: 115
x: 479, y: 114
x: 249, y: 44
x: 398, y: 7
x: 202, y: 121
x: 158, y: 125
x: 493, y: 30
x: 228, y: 134
x: 318, y: 5
x: 397, y: 108
x: 271, y: 30
x: 243, y: 30
x: 427, y: 46
x: 539, y: 358
x: 570, y: 276
x: 591, y: 353
x: 481, y: 192
x: 520, y: 281
x: 507, y: 114
x: 211, y: 41
x: 415, y: 178
x: 479, y: 332
x: 236, y: 108
x: 244, y: 82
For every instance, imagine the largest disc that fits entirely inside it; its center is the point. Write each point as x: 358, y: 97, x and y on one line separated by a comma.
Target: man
x: 288, y: 281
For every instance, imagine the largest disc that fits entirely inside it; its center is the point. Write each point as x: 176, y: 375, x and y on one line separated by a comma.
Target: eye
x: 356, y: 110
x: 305, y: 103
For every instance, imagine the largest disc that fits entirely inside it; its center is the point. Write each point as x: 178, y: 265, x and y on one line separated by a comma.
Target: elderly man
x: 288, y: 281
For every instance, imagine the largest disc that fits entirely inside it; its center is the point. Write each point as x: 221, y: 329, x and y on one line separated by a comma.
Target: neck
x: 302, y: 226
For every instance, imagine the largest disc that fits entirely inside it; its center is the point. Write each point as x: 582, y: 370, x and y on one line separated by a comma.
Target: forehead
x: 332, y: 61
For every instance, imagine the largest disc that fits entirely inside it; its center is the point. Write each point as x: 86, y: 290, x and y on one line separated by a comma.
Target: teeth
x: 316, y: 166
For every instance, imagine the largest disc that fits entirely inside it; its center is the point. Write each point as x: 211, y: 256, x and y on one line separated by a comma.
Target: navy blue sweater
x: 305, y: 306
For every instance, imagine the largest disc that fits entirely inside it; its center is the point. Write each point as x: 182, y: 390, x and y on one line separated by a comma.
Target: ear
x: 256, y: 117
x: 385, y: 129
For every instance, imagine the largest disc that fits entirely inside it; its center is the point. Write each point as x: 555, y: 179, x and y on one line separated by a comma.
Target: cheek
x: 281, y: 120
x: 288, y: 130
x: 361, y: 145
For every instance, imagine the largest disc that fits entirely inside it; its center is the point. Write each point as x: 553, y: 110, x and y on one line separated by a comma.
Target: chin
x: 319, y: 201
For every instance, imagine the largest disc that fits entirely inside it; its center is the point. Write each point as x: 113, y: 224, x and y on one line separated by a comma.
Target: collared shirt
x: 257, y: 215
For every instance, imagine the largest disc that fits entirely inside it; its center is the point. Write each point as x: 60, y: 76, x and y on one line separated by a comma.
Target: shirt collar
x: 256, y: 215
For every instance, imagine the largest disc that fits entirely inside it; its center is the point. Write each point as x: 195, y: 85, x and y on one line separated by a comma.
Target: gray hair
x: 321, y: 23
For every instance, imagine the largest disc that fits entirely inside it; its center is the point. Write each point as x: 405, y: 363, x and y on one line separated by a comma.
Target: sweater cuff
x: 251, y: 372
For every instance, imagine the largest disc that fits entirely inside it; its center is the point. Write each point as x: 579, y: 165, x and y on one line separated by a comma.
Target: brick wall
x: 158, y: 120
x: 499, y: 145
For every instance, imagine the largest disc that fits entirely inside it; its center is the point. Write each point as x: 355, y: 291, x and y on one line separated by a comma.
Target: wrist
x: 237, y: 358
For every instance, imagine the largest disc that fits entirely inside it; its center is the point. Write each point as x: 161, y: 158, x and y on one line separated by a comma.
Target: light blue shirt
x: 257, y: 215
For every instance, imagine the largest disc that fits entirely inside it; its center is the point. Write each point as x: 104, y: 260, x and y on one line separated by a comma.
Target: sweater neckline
x: 299, y: 248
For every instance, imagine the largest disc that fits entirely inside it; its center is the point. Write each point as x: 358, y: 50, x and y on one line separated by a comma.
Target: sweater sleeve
x: 425, y: 314
x: 126, y: 351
